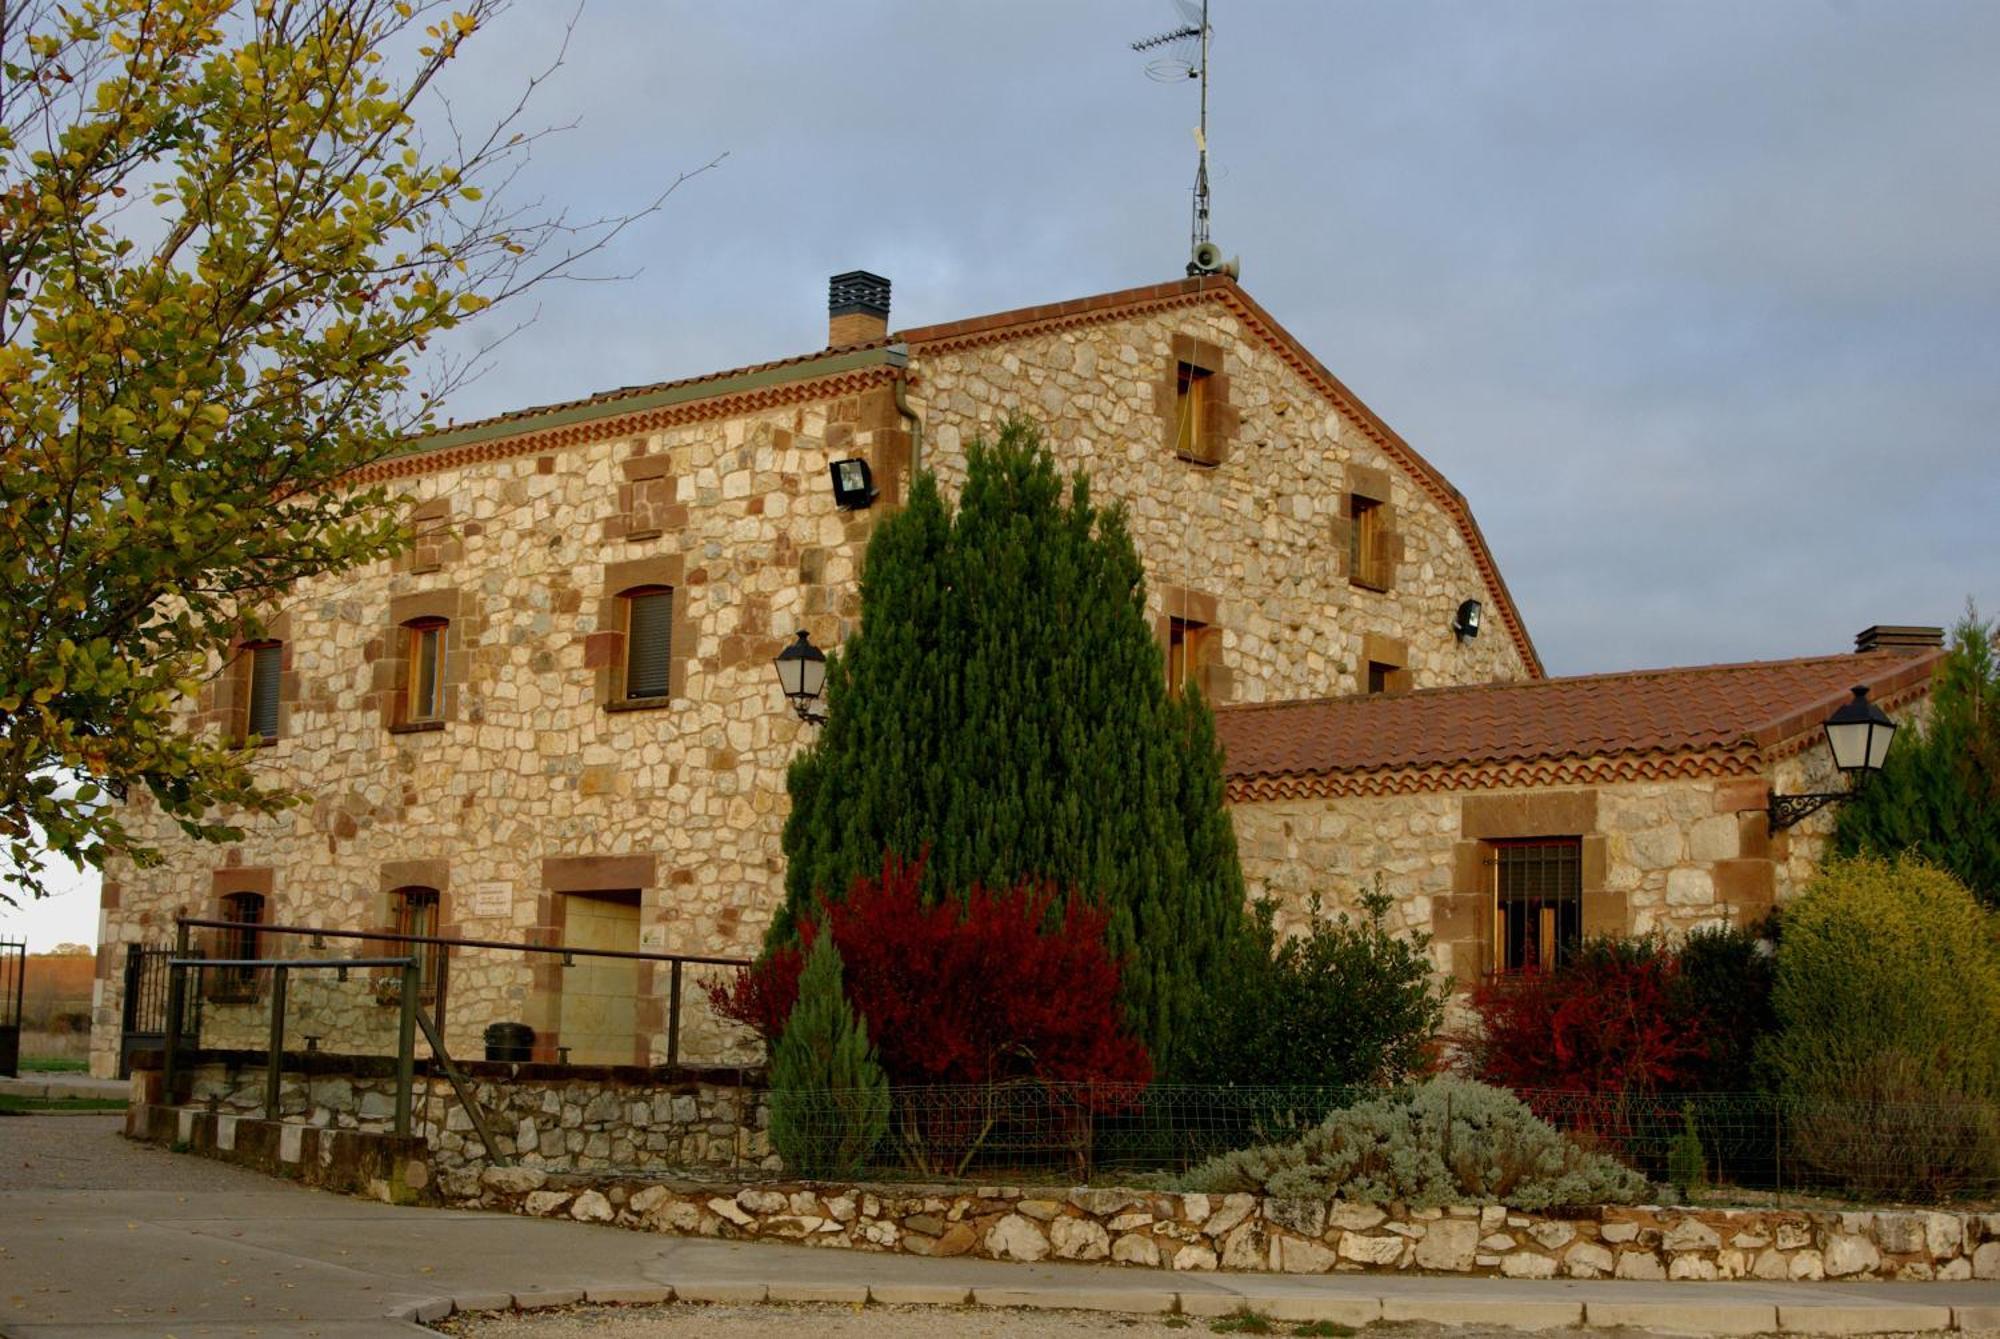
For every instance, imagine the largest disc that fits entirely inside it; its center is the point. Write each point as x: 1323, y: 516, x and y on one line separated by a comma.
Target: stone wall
x: 585, y: 1122
x: 1244, y: 1232
x: 355, y: 1162
x: 533, y: 790
x: 1659, y: 856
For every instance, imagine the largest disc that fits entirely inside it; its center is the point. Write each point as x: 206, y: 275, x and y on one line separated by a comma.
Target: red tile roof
x: 1753, y: 706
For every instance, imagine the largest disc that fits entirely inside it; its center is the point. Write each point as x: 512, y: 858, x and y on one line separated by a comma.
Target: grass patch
x: 26, y: 1106
x: 1323, y: 1329
x: 1243, y: 1322
x: 53, y: 1064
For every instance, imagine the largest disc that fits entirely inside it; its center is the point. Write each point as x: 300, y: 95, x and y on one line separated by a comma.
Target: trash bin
x: 510, y: 1041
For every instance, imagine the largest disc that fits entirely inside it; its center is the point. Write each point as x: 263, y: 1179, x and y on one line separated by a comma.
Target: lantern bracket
x: 1786, y: 810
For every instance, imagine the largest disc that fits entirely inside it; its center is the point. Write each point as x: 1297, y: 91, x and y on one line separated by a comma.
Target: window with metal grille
x: 417, y: 914
x: 1537, y: 902
x: 266, y: 666
x: 426, y: 687
x: 244, y: 912
x: 649, y: 629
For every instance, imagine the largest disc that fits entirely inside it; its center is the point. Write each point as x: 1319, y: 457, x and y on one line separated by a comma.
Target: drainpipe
x: 899, y: 354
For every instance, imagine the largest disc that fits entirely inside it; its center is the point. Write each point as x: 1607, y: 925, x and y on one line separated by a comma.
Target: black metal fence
x: 1736, y: 1146
x: 13, y: 983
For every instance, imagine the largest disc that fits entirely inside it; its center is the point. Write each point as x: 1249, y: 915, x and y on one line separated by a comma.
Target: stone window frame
x: 646, y: 506
x: 605, y: 650
x: 1368, y: 515
x: 1463, y: 919
x: 1392, y: 654
x: 392, y: 667
x: 563, y: 875
x: 229, y: 888
x: 1497, y: 853
x: 227, y: 699
x: 1197, y: 616
x: 433, y: 543
x: 1197, y: 376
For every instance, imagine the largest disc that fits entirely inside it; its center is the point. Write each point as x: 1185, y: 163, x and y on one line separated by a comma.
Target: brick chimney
x: 857, y: 309
x: 1902, y: 640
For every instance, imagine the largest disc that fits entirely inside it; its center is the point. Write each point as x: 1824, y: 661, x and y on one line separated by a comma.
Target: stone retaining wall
x: 1245, y: 1232
x: 355, y: 1162
x: 600, y: 1120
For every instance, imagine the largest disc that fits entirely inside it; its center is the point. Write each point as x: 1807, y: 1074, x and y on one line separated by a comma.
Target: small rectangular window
x: 244, y: 912
x: 266, y: 668
x: 1366, y: 557
x: 417, y: 914
x: 1380, y: 676
x: 1191, y: 402
x: 649, y: 624
x: 1538, y: 903
x: 427, y: 651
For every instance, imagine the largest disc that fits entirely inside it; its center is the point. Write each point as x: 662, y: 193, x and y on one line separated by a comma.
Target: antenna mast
x: 1186, y: 57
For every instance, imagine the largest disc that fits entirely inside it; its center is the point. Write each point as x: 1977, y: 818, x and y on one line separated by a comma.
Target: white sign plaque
x: 492, y: 900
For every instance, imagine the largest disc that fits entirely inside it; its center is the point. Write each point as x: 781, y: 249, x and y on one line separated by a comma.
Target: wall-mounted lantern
x: 1858, y: 735
x: 1465, y: 623
x: 853, y: 484
x: 802, y: 674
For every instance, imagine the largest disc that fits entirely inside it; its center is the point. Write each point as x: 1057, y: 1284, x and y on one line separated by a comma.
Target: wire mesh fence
x: 1745, y: 1145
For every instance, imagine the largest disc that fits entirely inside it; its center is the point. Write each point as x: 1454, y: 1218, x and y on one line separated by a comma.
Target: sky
x: 1697, y: 303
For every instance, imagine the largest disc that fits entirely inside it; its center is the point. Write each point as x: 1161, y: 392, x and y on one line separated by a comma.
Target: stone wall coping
x: 333, y: 1064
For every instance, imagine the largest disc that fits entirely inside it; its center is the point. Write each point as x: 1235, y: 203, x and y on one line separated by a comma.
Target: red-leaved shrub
x: 999, y: 991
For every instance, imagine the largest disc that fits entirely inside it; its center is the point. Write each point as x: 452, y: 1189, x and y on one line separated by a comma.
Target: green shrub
x: 1687, y: 1160
x: 1447, y: 1141
x: 829, y: 1099
x: 1888, y: 1053
x: 1348, y: 1003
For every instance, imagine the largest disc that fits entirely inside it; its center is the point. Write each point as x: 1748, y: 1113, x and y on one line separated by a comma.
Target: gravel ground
x: 88, y: 1153
x: 850, y: 1322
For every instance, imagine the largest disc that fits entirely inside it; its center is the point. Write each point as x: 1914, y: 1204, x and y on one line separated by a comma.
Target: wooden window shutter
x: 649, y: 643
x: 266, y: 665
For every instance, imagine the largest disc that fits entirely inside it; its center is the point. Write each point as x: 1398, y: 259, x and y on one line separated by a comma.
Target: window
x: 1367, y: 548
x: 425, y: 701
x: 244, y: 912
x: 649, y: 628
x: 1186, y: 645
x: 1380, y: 676
x: 266, y: 667
x: 417, y: 914
x: 1193, y: 434
x: 1538, y: 902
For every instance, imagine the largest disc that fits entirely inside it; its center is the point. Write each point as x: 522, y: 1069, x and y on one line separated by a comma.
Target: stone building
x: 555, y: 719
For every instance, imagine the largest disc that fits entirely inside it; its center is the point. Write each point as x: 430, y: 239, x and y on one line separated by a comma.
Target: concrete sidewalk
x: 36, y: 1087
x: 100, y: 1237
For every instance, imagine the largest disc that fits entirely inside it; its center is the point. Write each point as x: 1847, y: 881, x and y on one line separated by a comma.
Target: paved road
x: 101, y: 1238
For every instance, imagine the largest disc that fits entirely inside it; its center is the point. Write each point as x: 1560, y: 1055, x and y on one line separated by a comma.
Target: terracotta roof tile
x: 1693, y: 709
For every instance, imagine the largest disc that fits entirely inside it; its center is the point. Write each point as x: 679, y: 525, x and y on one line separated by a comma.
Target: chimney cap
x: 857, y: 292
x: 1897, y: 637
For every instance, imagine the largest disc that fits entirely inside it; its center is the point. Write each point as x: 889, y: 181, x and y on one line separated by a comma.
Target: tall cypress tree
x: 1003, y: 709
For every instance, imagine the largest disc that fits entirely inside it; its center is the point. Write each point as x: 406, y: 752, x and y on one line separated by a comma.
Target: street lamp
x: 1858, y: 735
x: 802, y: 674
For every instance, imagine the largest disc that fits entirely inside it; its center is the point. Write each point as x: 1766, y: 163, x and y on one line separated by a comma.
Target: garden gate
x: 143, y: 1026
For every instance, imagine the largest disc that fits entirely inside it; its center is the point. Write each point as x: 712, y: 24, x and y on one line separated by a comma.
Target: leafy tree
x: 1002, y: 711
x: 1346, y: 1004
x: 224, y: 246
x: 829, y: 1098
x: 1938, y: 793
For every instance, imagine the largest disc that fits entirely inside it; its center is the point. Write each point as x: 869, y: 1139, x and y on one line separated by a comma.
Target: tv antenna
x: 1183, y: 54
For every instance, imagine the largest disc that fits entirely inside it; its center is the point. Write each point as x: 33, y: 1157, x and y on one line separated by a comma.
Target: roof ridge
x: 1875, y: 658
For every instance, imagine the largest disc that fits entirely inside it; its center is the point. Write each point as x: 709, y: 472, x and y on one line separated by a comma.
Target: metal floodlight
x: 853, y: 484
x: 1465, y: 623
